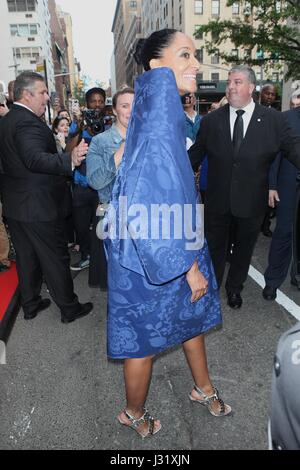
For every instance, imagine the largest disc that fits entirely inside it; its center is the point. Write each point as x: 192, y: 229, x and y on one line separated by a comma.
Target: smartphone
x: 75, y: 107
x: 2, y: 99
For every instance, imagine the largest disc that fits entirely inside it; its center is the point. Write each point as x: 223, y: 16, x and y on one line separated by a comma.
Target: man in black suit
x: 241, y: 140
x: 283, y: 189
x: 35, y: 198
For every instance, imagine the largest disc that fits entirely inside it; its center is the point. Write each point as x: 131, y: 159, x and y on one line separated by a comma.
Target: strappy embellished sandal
x: 208, y: 401
x: 137, y: 422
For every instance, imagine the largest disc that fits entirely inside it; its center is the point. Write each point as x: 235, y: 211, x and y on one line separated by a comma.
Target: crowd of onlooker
x: 73, y: 168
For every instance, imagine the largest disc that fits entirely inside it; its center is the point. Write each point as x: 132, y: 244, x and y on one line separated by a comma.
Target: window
x: 260, y: 54
x: 275, y: 57
x: 199, y: 55
x: 215, y: 58
x: 26, y: 52
x: 275, y: 77
x: 214, y: 36
x: 247, y: 9
x: 215, y: 77
x: 198, y: 7
x: 23, y: 29
x: 13, y: 29
x: 200, y: 76
x: 247, y: 54
x: 21, y: 5
x: 235, y: 8
x: 199, y: 35
x: 132, y: 4
x: 278, y: 7
x: 180, y: 15
x: 215, y: 7
x: 235, y: 53
x: 33, y: 29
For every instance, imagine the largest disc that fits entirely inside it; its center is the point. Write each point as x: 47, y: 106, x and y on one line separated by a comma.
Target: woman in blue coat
x: 162, y: 289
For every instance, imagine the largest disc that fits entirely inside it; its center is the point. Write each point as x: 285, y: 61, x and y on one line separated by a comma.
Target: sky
x: 93, y: 40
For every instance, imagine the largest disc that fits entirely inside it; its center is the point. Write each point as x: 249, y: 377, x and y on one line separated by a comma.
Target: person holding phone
x: 60, y: 128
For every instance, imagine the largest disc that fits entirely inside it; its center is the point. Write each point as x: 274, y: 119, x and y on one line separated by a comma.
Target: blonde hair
x: 223, y: 101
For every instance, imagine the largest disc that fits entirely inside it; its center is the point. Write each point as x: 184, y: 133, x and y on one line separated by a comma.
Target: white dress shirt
x: 23, y: 106
x: 249, y: 109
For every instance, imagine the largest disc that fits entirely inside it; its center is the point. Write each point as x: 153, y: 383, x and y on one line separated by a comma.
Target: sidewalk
x: 59, y: 391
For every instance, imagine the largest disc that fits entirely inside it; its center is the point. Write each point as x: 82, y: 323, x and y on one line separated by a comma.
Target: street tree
x: 267, y: 30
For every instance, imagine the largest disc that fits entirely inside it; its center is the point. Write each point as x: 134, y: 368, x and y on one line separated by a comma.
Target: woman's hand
x: 197, y: 283
x: 119, y: 155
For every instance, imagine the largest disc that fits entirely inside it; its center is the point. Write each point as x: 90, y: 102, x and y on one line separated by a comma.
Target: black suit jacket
x: 283, y: 174
x: 240, y: 186
x: 33, y: 175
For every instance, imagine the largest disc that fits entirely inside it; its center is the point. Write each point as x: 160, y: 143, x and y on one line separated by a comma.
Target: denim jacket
x: 100, y: 163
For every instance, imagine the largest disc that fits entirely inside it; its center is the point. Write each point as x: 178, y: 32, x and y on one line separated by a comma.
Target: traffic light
x: 80, y: 84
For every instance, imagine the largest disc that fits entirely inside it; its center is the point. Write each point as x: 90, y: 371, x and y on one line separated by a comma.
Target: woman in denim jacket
x: 103, y: 159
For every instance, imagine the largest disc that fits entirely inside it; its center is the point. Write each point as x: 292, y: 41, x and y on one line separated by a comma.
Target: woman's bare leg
x: 195, y: 354
x: 137, y: 374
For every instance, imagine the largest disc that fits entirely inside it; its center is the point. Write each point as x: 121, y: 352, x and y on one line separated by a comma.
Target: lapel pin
x: 258, y: 120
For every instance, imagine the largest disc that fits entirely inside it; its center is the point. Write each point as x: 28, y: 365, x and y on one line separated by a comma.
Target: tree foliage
x: 267, y: 28
x: 80, y: 89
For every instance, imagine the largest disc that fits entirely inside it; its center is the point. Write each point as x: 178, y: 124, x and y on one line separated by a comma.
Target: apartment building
x: 59, y: 55
x: 25, y: 39
x: 187, y: 16
x: 125, y: 12
x: 68, y: 31
x: 132, y: 36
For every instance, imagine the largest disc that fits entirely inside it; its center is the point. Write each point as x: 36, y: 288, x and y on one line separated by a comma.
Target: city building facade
x: 25, y: 39
x: 59, y: 56
x: 187, y: 16
x: 122, y: 29
x: 72, y: 62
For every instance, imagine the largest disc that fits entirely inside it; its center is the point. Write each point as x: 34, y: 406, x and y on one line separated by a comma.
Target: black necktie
x: 238, y: 132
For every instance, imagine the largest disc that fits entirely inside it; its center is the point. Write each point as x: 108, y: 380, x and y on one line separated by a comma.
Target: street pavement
x: 59, y: 391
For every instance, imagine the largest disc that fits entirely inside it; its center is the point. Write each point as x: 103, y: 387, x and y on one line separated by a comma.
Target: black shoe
x: 234, y: 300
x: 269, y: 293
x: 43, y: 305
x: 84, y: 309
x: 267, y: 232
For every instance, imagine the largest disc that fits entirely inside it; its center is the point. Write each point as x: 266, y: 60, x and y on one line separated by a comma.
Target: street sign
x: 207, y: 86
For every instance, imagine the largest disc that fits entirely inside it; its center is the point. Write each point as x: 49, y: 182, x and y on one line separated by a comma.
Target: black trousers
x: 41, y: 250
x: 98, y: 264
x: 281, y: 249
x: 85, y: 202
x: 217, y: 232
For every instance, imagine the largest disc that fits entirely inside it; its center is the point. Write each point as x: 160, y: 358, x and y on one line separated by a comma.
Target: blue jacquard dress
x: 149, y: 299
